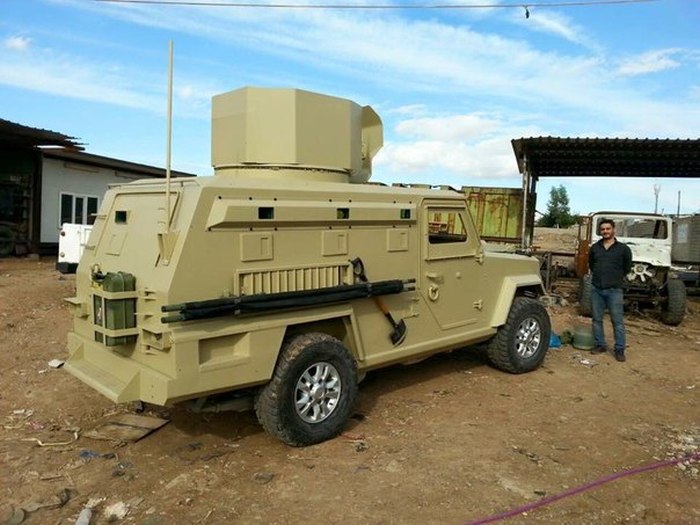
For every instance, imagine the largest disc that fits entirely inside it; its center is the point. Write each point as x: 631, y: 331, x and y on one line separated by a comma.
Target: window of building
x: 77, y: 209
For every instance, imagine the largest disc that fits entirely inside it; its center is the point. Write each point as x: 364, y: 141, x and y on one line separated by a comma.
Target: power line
x: 526, y: 5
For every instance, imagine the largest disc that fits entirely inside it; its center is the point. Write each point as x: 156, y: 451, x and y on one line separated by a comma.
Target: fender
x: 509, y: 287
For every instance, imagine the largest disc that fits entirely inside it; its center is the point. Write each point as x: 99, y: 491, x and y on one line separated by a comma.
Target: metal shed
x: 599, y: 157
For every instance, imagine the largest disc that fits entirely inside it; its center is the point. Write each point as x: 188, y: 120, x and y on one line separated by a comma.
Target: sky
x: 453, y: 86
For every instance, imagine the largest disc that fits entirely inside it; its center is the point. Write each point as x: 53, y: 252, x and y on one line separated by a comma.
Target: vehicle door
x: 452, y: 276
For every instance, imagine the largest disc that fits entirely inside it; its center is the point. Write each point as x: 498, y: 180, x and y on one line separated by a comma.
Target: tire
x: 584, y: 296
x: 673, y: 309
x: 521, y: 344
x: 317, y: 364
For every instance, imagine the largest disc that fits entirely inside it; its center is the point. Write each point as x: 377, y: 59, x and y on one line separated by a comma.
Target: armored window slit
x: 266, y: 213
x: 120, y: 216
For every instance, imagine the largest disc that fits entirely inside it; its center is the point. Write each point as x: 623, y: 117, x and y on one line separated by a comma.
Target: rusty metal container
x: 497, y: 212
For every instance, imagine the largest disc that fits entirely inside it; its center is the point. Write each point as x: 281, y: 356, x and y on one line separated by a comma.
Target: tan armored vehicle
x: 286, y: 276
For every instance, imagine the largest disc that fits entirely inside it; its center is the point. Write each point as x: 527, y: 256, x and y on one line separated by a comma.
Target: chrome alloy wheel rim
x: 528, y: 337
x: 317, y: 392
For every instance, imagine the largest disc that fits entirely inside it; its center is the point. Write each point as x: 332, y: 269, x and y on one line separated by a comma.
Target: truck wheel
x: 584, y: 296
x: 673, y: 310
x: 311, y: 393
x: 521, y: 344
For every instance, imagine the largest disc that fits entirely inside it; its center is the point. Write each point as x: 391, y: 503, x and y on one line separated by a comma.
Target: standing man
x: 610, y: 261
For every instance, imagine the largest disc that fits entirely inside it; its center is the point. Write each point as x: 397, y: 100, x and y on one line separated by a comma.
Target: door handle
x: 435, y: 277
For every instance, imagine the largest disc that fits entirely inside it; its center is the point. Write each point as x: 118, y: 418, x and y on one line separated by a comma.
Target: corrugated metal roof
x: 15, y: 134
x: 607, y: 157
x: 67, y: 148
x: 108, y: 162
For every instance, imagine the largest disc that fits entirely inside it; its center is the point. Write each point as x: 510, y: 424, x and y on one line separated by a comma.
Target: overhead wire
x: 255, y: 5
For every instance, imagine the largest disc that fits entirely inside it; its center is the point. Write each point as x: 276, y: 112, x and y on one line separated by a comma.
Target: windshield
x: 638, y: 227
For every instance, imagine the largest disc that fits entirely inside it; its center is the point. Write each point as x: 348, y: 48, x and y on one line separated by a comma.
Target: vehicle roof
x: 629, y: 214
x: 295, y: 185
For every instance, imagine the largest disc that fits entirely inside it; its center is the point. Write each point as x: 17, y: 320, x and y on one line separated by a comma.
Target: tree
x: 558, y: 214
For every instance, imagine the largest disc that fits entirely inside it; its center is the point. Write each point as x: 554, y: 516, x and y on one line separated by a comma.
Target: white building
x: 46, y: 179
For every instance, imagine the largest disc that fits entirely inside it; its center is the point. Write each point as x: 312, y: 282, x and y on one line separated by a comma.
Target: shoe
x: 620, y: 357
x: 599, y: 350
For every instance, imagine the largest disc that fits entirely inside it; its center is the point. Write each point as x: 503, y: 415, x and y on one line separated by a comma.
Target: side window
x: 445, y: 226
x: 447, y: 233
x: 91, y: 209
x: 77, y: 209
x: 66, y: 213
x: 661, y: 230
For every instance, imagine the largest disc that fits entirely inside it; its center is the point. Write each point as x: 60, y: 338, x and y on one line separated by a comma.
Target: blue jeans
x: 612, y: 299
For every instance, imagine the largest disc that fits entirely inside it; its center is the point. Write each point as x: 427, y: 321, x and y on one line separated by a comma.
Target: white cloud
x: 360, y: 54
x: 44, y: 70
x: 382, y: 49
x: 455, y: 164
x: 453, y: 150
x: 186, y: 91
x: 451, y: 128
x: 556, y: 24
x: 409, y: 109
x: 649, y: 62
x: 17, y: 43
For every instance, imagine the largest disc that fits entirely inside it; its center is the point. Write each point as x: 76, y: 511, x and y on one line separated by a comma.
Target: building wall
x: 72, y: 179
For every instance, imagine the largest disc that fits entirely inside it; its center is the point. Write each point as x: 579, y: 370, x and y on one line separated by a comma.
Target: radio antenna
x: 169, y: 136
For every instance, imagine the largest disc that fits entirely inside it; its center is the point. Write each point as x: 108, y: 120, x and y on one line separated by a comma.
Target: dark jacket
x: 609, y: 267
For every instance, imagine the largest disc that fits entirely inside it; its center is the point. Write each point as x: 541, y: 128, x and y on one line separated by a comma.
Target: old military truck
x: 651, y: 282
x: 286, y: 276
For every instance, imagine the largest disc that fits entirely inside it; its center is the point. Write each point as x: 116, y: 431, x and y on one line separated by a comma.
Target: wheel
x: 673, y: 309
x: 584, y: 296
x: 311, y: 393
x: 521, y: 344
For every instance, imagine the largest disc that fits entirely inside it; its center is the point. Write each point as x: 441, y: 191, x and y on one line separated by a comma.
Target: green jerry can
x: 118, y: 314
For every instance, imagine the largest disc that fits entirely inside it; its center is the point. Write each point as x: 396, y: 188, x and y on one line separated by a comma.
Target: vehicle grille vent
x: 293, y: 279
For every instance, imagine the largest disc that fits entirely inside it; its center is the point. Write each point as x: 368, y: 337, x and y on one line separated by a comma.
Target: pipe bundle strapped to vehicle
x: 280, y: 301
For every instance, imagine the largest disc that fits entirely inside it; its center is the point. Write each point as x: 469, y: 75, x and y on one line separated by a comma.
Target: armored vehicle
x: 286, y: 276
x: 651, y: 282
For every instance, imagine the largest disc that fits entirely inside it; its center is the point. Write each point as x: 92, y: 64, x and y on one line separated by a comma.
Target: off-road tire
x: 584, y: 296
x: 673, y: 309
x: 521, y: 344
x: 275, y: 403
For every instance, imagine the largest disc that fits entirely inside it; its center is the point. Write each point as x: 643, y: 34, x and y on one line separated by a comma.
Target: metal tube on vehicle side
x: 279, y: 301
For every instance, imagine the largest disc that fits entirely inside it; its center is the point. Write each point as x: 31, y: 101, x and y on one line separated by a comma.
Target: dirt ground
x: 448, y: 440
